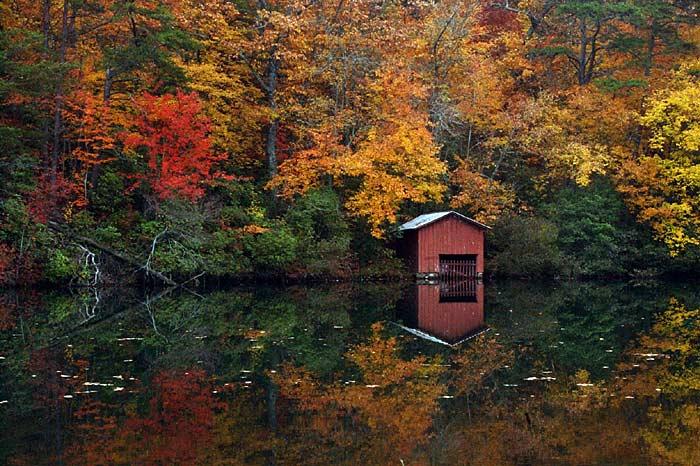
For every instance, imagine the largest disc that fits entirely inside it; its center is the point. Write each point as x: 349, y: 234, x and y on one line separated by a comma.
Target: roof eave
x: 463, y: 217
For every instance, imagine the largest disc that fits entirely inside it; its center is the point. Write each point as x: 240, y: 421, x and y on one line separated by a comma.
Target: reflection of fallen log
x: 100, y: 319
x: 121, y: 256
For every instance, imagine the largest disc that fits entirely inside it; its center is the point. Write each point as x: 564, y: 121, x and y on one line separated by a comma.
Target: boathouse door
x: 455, y: 267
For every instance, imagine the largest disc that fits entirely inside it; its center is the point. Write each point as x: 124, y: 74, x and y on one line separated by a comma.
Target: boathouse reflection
x: 447, y: 312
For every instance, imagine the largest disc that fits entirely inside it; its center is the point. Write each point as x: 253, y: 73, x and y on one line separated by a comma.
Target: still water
x: 376, y: 374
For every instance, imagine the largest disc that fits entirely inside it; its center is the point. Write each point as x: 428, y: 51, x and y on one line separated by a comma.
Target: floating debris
x: 546, y: 379
x: 119, y: 377
x: 337, y: 326
x: 86, y: 392
x: 65, y: 376
x: 130, y: 339
x: 2, y: 402
x: 584, y: 384
x: 629, y: 397
x: 128, y: 360
x: 67, y: 396
x: 608, y: 351
x: 118, y: 389
x: 98, y: 384
x: 447, y: 397
x: 371, y: 386
x: 511, y: 385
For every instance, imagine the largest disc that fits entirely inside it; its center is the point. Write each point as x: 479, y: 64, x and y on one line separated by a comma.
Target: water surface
x: 502, y: 373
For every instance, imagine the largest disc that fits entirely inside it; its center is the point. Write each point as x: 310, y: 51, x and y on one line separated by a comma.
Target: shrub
x: 273, y: 250
x: 523, y: 246
x: 59, y: 267
x: 322, y: 233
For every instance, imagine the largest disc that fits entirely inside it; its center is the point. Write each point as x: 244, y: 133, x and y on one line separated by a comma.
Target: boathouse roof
x: 426, y: 219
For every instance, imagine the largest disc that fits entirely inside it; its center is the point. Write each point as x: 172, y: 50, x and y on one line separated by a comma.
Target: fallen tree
x: 119, y: 255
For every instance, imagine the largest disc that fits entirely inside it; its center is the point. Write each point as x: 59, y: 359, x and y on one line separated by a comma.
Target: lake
x: 364, y: 373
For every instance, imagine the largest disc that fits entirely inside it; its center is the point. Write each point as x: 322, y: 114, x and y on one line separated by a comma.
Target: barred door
x: 456, y: 267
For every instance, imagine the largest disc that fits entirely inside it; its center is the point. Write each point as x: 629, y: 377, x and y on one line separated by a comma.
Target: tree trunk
x: 109, y: 81
x: 46, y: 31
x: 273, y: 127
x: 583, y: 49
x: 58, y: 118
x: 649, y: 60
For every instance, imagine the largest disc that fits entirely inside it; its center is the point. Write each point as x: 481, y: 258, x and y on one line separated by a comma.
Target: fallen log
x: 121, y: 256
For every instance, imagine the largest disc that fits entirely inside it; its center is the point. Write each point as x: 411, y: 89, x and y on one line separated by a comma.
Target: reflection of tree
x: 176, y: 426
x: 379, y: 416
x: 647, y: 413
x: 650, y: 409
x: 669, y: 377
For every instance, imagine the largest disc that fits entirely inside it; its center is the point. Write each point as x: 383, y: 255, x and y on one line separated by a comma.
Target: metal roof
x: 426, y: 219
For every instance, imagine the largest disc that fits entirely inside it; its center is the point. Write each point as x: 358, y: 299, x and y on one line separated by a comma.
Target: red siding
x: 449, y: 236
x: 450, y: 322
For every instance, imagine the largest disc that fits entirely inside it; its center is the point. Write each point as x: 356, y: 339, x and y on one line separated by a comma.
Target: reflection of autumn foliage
x: 651, y: 404
x: 94, y: 428
x: 646, y: 414
x: 179, y: 424
x: 379, y: 418
x: 476, y: 362
x: 177, y: 428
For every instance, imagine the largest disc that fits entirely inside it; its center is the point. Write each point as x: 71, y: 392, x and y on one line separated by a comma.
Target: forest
x: 239, y: 138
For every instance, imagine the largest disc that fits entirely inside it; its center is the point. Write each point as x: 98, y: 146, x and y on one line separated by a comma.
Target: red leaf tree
x: 173, y: 134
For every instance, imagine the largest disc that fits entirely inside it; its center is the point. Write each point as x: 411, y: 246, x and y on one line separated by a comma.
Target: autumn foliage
x: 109, y: 109
x: 175, y: 137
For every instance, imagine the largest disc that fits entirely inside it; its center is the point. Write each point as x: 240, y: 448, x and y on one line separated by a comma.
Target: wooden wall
x: 450, y: 322
x: 448, y: 236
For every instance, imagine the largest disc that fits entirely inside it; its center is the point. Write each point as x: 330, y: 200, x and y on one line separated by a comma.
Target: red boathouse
x: 445, y: 245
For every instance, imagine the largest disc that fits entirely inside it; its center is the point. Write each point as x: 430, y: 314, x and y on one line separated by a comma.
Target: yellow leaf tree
x: 663, y: 184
